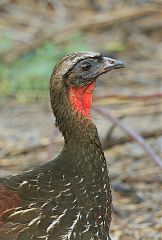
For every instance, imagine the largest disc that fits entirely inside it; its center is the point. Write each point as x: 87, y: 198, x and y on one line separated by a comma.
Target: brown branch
x: 62, y: 34
x: 109, y: 141
x: 144, y: 178
x: 129, y: 96
x: 129, y: 14
x: 139, y: 139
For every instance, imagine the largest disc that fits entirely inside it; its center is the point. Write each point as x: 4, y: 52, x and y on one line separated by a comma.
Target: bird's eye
x: 85, y: 66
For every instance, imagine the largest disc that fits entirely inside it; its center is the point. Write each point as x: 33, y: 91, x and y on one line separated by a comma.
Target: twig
x: 144, y: 178
x: 129, y: 96
x: 129, y: 14
x: 109, y: 134
x: 60, y: 35
x: 139, y: 139
x: 109, y: 141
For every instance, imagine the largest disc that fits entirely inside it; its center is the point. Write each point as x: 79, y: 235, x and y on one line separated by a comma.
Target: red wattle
x: 81, y: 99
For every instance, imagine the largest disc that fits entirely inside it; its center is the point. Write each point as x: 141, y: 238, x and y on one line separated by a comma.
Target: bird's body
x: 69, y: 197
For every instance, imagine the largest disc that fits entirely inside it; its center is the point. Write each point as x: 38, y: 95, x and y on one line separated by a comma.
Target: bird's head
x: 77, y: 72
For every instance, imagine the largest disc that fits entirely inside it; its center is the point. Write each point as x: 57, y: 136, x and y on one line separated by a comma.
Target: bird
x: 69, y: 197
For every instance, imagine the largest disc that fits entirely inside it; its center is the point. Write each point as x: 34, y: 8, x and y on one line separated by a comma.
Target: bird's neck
x: 71, y: 107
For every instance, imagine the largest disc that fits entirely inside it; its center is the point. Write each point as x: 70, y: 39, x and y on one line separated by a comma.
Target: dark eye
x: 85, y: 66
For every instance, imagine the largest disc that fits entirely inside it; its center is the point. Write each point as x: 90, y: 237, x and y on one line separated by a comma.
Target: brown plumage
x: 70, y: 197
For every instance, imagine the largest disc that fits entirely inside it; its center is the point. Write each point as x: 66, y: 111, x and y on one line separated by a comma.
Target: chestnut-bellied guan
x: 69, y: 197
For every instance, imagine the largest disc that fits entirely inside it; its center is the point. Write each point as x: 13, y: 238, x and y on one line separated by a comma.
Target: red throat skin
x: 81, y: 99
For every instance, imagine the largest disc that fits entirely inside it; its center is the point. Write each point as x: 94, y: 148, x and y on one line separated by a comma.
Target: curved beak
x: 110, y: 64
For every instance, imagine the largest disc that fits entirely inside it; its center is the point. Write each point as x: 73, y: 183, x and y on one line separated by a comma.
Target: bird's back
x: 36, y: 203
x: 53, y: 201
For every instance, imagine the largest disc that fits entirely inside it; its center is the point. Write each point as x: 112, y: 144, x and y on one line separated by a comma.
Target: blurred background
x: 34, y: 35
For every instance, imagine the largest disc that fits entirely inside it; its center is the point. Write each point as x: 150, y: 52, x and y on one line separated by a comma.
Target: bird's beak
x: 110, y: 64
